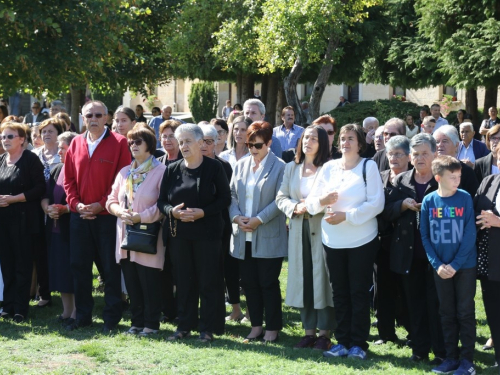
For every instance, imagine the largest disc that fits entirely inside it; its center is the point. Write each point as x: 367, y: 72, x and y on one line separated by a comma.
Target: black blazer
x: 225, y: 213
x: 214, y: 196
x: 484, y: 201
x: 28, y: 119
x: 482, y: 167
x: 64, y: 219
x: 380, y: 158
x: 468, y: 182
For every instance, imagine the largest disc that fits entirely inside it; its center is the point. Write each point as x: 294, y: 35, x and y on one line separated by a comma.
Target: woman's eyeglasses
x: 9, y: 136
x: 136, y: 142
x: 258, y: 146
x: 208, y: 142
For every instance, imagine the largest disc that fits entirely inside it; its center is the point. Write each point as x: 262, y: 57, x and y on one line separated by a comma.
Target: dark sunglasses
x: 90, y: 115
x: 136, y: 142
x: 208, y: 142
x: 391, y: 134
x: 258, y: 146
x: 10, y: 136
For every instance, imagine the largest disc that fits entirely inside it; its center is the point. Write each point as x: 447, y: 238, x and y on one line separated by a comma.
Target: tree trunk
x: 264, y: 87
x: 239, y: 84
x: 248, y: 83
x: 490, y: 100
x: 76, y: 98
x: 281, y: 101
x: 322, y: 80
x: 471, y: 109
x: 290, y: 88
x: 271, y: 96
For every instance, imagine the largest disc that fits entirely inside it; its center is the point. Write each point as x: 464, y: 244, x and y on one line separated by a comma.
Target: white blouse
x: 360, y: 203
x: 230, y: 157
x: 250, y: 187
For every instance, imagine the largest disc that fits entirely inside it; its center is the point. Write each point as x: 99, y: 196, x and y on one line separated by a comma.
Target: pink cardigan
x: 145, y: 204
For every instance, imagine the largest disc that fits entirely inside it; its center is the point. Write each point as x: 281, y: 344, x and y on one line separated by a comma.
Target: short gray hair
x: 398, y: 142
x: 449, y: 131
x: 464, y: 124
x: 91, y: 102
x: 258, y: 103
x: 400, y: 124
x: 56, y: 103
x: 210, y: 131
x: 367, y: 121
x: 66, y: 137
x: 423, y: 139
x: 194, y: 129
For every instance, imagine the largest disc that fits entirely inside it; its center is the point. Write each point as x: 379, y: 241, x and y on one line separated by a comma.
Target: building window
x: 398, y: 91
x: 448, y: 90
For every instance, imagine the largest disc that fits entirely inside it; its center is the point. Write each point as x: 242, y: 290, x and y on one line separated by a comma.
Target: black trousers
x: 231, y: 271
x: 457, y: 312
x: 423, y: 304
x: 390, y: 300
x: 16, y: 260
x: 87, y: 238
x: 491, y: 300
x: 260, y: 280
x: 351, y: 279
x: 198, y: 277
x: 41, y: 255
x: 143, y: 287
x: 167, y: 296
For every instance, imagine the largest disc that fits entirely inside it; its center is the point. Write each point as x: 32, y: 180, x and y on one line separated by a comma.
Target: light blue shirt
x: 288, y: 137
x: 155, y: 124
x: 440, y: 122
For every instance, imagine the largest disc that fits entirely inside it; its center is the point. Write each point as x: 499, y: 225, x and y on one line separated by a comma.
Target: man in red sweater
x: 92, y: 162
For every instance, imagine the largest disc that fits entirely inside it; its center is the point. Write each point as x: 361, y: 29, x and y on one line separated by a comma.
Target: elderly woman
x: 57, y: 234
x: 133, y: 200
x: 169, y: 143
x: 22, y: 186
x: 308, y: 287
x: 487, y: 207
x: 193, y: 194
x: 487, y: 165
x: 259, y: 232
x: 238, y: 149
x: 447, y: 142
x: 222, y: 130
x: 125, y: 120
x: 408, y: 257
x: 390, y: 303
x: 350, y: 191
x: 231, y: 272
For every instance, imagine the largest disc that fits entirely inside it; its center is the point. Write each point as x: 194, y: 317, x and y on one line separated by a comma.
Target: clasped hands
x: 187, y: 215
x: 411, y: 204
x: 247, y: 224
x: 487, y: 219
x: 89, y: 211
x: 5, y: 200
x: 445, y: 271
x: 55, y: 211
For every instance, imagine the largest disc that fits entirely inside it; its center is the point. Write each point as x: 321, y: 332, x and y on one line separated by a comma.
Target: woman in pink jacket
x: 133, y: 200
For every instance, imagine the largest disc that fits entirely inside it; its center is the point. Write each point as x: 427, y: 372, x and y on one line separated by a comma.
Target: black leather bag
x: 141, y: 237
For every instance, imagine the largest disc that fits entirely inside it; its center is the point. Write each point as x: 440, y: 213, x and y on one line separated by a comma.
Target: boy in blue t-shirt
x: 448, y: 231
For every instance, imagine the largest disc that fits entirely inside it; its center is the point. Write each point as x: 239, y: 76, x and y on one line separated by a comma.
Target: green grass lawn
x: 42, y: 346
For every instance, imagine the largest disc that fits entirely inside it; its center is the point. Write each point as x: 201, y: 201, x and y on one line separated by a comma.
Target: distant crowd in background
x: 182, y: 218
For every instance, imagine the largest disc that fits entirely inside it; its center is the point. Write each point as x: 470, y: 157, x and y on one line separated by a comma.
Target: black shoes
x: 78, y: 323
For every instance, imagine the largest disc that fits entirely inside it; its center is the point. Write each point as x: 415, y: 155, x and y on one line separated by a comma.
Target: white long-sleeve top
x: 360, y: 203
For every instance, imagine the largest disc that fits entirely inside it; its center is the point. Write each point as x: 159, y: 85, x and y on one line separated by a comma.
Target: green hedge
x: 383, y: 110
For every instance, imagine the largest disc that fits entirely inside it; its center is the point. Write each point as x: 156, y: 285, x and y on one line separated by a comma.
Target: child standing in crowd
x: 449, y: 235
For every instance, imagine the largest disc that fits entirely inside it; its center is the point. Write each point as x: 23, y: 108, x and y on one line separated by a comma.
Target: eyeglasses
x: 257, y: 146
x: 379, y: 137
x: 10, y: 136
x: 221, y: 132
x: 396, y: 155
x: 136, y: 142
x: 170, y: 136
x: 391, y: 134
x: 208, y: 142
x: 494, y: 139
x: 90, y: 115
x: 35, y: 107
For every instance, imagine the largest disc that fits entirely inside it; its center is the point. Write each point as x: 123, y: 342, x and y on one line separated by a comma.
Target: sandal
x: 237, y: 319
x: 206, y: 337
x: 179, y: 335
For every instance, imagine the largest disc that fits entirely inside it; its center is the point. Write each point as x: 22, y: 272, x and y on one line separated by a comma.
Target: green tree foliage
x: 203, y: 101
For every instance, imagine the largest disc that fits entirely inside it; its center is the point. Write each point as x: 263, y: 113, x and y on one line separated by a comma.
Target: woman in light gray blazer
x: 308, y: 286
x: 259, y: 231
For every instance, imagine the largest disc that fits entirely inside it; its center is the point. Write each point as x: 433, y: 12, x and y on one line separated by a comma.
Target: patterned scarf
x: 137, y: 175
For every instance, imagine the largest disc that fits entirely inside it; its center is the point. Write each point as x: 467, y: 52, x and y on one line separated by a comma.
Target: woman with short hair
x: 308, y: 286
x: 349, y: 190
x: 169, y: 143
x: 133, y: 200
x: 193, y: 194
x: 259, y: 232
x: 22, y: 186
x: 222, y: 130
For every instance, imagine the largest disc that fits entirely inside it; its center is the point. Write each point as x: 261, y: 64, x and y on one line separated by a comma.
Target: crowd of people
x: 409, y: 208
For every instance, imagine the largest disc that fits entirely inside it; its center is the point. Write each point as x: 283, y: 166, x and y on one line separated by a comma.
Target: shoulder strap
x: 364, y: 170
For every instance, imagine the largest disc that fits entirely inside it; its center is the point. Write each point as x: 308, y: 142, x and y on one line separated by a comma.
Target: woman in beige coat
x: 308, y: 287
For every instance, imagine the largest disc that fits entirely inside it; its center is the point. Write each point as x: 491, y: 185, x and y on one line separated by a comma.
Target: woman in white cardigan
x: 350, y: 190
x: 308, y: 286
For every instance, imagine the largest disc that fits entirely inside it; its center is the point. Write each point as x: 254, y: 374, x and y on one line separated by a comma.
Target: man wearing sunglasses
x: 392, y: 127
x: 35, y: 115
x: 92, y: 162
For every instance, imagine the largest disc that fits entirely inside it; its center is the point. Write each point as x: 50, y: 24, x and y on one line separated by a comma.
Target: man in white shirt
x: 436, y: 113
x: 35, y: 116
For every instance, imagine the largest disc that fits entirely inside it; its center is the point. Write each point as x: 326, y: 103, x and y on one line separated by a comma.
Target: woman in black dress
x: 22, y: 186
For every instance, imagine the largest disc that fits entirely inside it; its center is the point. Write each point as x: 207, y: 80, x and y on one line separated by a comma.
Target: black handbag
x: 141, y: 237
